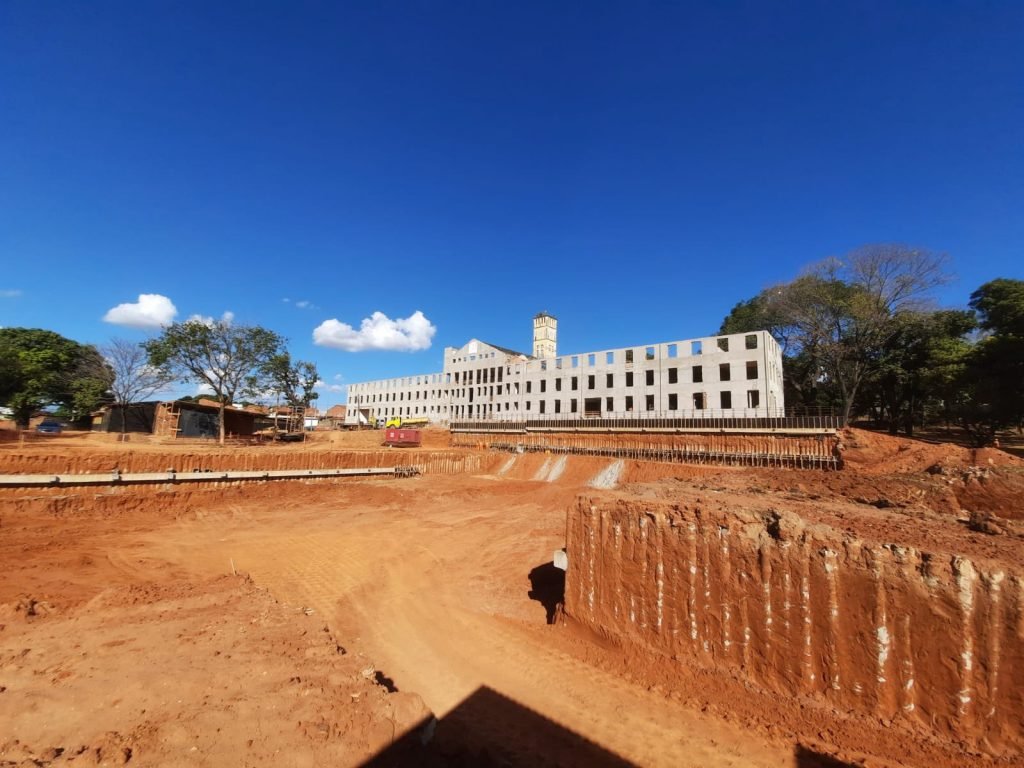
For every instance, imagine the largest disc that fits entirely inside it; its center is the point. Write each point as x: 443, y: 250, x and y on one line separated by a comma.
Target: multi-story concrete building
x: 737, y: 375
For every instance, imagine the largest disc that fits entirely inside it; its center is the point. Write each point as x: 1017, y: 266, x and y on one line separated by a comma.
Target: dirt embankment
x: 921, y: 638
x: 243, y: 459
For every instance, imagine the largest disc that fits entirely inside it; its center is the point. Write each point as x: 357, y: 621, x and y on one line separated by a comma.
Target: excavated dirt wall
x: 808, y: 451
x: 85, y: 462
x: 926, y: 640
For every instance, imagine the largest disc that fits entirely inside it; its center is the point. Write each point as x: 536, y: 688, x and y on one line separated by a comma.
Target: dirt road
x: 432, y: 577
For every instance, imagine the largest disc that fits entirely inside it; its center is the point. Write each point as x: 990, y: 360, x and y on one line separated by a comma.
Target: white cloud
x: 10, y: 293
x: 151, y: 311
x: 227, y: 317
x: 378, y: 331
x: 321, y: 384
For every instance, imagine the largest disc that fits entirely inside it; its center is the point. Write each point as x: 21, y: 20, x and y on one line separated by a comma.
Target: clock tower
x: 545, y: 335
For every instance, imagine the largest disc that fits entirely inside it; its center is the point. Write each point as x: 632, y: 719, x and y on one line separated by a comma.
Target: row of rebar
x: 796, y: 455
x: 654, y: 421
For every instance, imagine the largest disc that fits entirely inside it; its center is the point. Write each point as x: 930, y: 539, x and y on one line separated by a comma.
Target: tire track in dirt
x: 394, y: 597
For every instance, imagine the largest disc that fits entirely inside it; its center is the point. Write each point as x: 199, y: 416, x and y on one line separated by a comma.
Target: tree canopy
x: 232, y: 360
x: 39, y: 368
x: 294, y: 382
x: 994, y: 378
x: 835, y: 321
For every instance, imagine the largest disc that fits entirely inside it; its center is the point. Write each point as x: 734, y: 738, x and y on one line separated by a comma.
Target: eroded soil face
x: 357, y: 606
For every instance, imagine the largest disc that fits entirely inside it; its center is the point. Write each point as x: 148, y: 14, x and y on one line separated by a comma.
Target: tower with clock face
x: 545, y: 335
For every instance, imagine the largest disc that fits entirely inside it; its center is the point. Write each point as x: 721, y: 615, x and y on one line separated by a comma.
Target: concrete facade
x: 738, y: 375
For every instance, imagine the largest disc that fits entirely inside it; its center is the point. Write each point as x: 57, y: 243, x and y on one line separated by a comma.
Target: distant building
x: 736, y: 375
x: 178, y: 418
x: 333, y: 418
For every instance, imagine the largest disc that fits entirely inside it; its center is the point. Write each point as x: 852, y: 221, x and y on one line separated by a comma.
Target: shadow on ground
x: 807, y: 758
x: 548, y: 589
x: 488, y: 730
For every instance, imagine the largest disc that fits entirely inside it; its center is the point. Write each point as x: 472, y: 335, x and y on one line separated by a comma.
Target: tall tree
x: 135, y: 380
x: 44, y: 368
x: 920, y: 366
x: 294, y: 382
x: 840, y: 314
x: 995, y: 378
x: 231, y: 359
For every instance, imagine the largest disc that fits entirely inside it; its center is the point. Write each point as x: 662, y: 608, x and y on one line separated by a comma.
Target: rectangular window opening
x: 724, y: 372
x: 751, y: 340
x: 752, y: 369
x: 696, y: 347
x: 698, y: 374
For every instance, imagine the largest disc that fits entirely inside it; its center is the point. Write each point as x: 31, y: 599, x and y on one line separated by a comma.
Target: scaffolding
x: 168, y: 417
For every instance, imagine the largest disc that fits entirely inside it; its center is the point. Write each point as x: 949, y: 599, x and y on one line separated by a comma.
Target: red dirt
x: 429, y: 581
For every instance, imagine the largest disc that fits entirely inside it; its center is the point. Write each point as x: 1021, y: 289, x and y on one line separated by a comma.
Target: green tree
x: 920, y: 367
x: 994, y: 380
x: 43, y: 368
x: 837, y: 318
x: 294, y: 382
x: 231, y: 359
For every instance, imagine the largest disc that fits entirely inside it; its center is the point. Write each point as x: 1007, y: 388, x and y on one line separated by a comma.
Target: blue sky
x: 635, y: 169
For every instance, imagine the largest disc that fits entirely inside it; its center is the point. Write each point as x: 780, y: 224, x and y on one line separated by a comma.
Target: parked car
x: 49, y: 427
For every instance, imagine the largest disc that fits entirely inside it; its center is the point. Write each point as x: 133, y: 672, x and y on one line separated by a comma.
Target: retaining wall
x: 930, y: 639
x: 132, y: 461
x: 804, y: 451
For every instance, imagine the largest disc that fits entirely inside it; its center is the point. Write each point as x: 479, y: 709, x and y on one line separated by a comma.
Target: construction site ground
x: 327, y: 622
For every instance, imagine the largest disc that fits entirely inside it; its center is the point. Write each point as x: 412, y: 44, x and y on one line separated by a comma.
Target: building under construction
x: 729, y: 376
